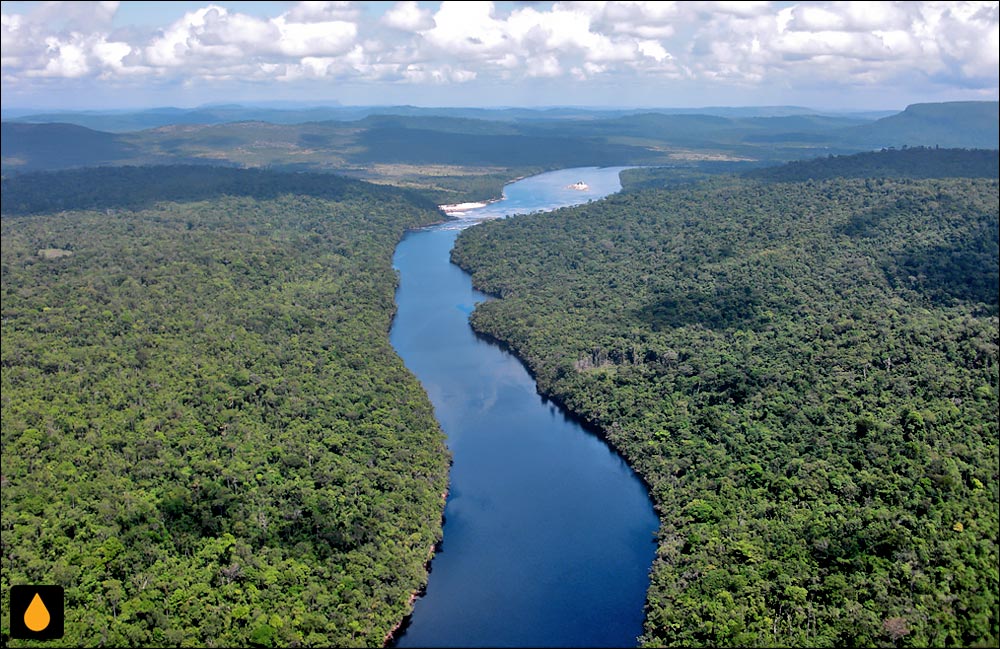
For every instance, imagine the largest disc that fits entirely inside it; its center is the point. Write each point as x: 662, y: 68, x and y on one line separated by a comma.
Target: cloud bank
x: 736, y: 44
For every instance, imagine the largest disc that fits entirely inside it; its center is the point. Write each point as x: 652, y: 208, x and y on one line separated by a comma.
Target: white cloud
x: 68, y: 60
x: 745, y: 9
x: 653, y: 50
x: 75, y: 16
x: 306, y: 12
x: 466, y: 28
x: 416, y: 73
x: 542, y: 40
x: 850, y: 16
x: 544, y: 66
x: 408, y: 16
x: 13, y: 45
x: 213, y: 36
x: 749, y: 44
x: 311, y: 39
x: 111, y: 55
x: 179, y: 40
x: 852, y: 43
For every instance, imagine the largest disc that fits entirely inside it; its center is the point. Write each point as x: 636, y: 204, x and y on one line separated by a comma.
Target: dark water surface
x: 548, y: 535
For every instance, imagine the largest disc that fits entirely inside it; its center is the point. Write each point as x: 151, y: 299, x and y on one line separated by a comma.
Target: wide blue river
x: 548, y: 534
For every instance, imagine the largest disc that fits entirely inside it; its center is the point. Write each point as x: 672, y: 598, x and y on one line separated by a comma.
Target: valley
x: 790, y: 338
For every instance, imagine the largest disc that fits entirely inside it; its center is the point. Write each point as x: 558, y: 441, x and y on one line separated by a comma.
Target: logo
x: 36, y: 612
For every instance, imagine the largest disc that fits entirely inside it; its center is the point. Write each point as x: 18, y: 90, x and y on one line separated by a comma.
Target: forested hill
x: 394, y: 147
x: 947, y: 124
x: 807, y: 376
x: 57, y: 146
x: 908, y: 162
x: 142, y: 187
x: 914, y: 162
x: 207, y: 438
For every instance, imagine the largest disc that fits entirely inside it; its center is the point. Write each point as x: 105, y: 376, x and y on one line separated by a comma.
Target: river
x: 548, y: 534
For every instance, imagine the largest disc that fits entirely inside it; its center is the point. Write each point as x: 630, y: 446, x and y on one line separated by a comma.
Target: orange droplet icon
x: 36, y: 617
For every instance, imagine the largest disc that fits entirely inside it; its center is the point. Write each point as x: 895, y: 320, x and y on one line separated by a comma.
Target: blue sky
x: 832, y: 55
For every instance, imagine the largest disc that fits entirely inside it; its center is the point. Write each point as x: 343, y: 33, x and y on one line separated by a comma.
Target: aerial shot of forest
x: 804, y: 372
x: 400, y: 324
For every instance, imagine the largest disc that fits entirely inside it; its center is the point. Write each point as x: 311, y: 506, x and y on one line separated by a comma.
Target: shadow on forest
x: 729, y: 307
x: 141, y: 187
x: 963, y: 268
x: 966, y: 271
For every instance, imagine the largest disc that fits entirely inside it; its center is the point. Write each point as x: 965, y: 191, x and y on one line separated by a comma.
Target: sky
x: 825, y: 55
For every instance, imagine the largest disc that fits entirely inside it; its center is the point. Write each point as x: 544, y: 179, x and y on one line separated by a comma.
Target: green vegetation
x: 207, y: 438
x: 675, y: 175
x: 58, y: 146
x: 968, y: 124
x: 498, y: 142
x: 447, y: 184
x: 136, y: 188
x: 805, y: 373
x: 405, y: 143
x: 908, y: 162
x: 459, y: 155
x: 119, y: 121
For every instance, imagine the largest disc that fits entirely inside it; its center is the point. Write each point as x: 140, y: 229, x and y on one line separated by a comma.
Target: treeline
x: 207, y: 438
x: 906, y: 162
x: 807, y: 376
x: 130, y: 187
x: 685, y: 173
x: 140, y: 187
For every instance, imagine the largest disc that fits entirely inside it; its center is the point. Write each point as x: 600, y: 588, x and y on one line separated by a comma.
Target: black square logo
x: 36, y: 612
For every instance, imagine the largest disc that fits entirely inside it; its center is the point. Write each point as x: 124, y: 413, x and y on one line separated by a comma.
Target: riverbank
x: 460, y: 209
x: 543, y: 523
x: 422, y: 589
x: 592, y: 427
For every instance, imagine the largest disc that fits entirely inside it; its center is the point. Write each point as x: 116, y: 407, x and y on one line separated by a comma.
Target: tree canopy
x: 207, y: 438
x: 805, y: 373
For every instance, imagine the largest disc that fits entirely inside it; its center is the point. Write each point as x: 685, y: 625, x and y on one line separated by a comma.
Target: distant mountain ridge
x: 58, y: 146
x: 966, y: 124
x: 121, y: 121
x: 44, y: 147
x: 510, y: 138
x: 908, y: 162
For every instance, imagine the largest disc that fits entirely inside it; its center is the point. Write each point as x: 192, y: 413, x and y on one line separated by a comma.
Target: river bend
x: 548, y: 534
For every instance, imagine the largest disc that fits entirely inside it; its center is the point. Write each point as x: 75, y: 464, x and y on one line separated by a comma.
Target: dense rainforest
x: 907, y: 162
x: 207, y: 438
x: 806, y: 375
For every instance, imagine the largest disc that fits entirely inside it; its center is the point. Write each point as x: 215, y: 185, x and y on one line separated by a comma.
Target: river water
x: 548, y: 534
